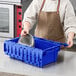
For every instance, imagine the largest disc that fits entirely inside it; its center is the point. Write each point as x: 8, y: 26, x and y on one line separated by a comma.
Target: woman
x: 55, y: 20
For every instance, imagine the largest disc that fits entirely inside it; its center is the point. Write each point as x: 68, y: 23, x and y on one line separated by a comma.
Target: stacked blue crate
x: 43, y: 52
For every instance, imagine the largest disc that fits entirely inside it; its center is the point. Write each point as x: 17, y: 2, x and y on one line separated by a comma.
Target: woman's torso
x: 51, y: 6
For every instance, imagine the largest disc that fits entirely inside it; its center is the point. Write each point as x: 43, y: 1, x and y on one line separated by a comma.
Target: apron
x: 49, y: 25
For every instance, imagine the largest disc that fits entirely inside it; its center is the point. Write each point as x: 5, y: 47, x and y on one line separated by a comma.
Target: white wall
x: 74, y: 3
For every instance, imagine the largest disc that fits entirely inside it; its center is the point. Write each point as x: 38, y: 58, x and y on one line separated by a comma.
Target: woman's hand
x: 24, y: 32
x: 70, y: 42
x: 70, y: 39
x: 26, y: 29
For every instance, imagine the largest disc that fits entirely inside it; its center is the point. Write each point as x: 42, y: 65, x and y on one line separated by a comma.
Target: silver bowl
x: 27, y: 40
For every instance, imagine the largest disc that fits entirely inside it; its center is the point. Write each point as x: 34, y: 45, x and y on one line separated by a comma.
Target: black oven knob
x: 19, y: 7
x: 19, y: 20
x: 19, y: 13
x: 19, y: 26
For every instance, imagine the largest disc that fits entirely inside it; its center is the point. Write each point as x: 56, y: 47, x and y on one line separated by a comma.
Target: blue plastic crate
x: 43, y: 52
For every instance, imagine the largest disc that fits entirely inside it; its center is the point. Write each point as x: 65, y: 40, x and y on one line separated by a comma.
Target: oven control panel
x: 19, y: 20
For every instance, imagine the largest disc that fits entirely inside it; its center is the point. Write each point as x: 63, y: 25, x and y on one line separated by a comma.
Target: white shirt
x: 66, y: 11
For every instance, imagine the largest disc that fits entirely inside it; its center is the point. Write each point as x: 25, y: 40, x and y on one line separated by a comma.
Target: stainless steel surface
x: 6, y: 20
x: 9, y: 74
x: 65, y: 66
x: 26, y: 40
x: 17, y: 2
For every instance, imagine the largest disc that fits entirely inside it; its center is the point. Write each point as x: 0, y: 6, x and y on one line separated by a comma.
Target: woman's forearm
x: 70, y: 39
x: 71, y: 35
x: 26, y: 25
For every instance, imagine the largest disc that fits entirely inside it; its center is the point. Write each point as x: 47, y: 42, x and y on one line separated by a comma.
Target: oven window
x: 4, y: 20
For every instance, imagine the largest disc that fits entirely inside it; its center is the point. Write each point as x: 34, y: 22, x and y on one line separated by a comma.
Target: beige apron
x: 49, y: 25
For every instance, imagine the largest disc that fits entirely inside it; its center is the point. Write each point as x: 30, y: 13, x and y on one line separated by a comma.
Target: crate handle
x: 64, y: 44
x: 60, y: 44
x: 51, y: 48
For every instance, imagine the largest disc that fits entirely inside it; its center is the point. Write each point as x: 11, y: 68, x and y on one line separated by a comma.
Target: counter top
x: 64, y: 67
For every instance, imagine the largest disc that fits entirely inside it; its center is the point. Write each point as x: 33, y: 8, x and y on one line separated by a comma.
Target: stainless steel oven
x: 10, y: 20
x: 6, y: 20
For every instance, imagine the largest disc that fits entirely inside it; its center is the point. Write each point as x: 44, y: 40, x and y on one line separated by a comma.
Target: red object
x: 58, y: 6
x: 19, y: 20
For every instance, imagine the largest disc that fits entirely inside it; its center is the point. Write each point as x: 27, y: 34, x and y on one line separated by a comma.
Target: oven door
x: 6, y: 20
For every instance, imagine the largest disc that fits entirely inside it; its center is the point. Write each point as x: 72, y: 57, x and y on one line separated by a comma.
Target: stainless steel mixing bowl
x: 27, y: 40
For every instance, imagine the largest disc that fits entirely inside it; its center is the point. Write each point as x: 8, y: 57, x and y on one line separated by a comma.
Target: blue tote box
x: 43, y: 52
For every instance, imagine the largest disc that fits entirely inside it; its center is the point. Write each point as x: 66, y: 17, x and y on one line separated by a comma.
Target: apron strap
x: 57, y: 6
x: 42, y: 5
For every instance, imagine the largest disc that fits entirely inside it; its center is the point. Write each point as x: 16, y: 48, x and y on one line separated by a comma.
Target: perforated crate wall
x: 43, y: 52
